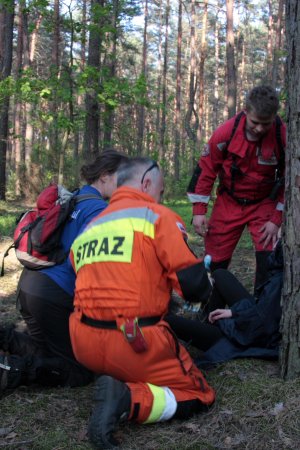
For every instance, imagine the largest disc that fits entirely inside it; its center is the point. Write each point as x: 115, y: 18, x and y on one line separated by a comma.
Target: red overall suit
x: 244, y: 201
x: 126, y: 262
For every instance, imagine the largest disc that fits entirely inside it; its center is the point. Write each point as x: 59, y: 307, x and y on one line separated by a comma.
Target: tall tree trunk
x: 6, y: 48
x: 191, y: 117
x: 141, y: 114
x: 277, y: 48
x: 216, y: 74
x: 230, y: 64
x: 92, y: 128
x: 290, y: 325
x: 159, y: 72
x: 17, y: 143
x: 162, y: 147
x: 178, y: 93
x: 108, y: 116
x: 55, y: 149
x: 270, y: 40
x: 203, y: 52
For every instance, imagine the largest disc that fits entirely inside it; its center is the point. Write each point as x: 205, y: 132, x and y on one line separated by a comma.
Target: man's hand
x: 219, y: 314
x: 269, y: 234
x: 200, y: 223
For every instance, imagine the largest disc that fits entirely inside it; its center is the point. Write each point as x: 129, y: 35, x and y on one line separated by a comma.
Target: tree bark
x: 277, y: 48
x: 290, y: 325
x: 6, y: 48
x: 230, y: 64
x: 162, y: 147
x: 178, y: 94
x: 92, y: 126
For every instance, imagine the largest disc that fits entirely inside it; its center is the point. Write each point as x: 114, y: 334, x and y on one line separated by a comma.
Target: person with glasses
x: 127, y: 262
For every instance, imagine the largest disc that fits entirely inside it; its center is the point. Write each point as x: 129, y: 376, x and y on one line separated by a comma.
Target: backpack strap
x: 81, y: 197
x: 4, y: 256
x: 234, y: 168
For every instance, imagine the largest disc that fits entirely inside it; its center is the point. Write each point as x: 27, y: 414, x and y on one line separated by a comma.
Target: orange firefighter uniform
x: 127, y: 262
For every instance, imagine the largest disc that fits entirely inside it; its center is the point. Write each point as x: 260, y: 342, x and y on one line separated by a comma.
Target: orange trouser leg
x: 166, y: 363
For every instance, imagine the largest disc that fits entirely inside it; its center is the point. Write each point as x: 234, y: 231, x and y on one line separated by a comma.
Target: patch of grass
x: 9, y: 212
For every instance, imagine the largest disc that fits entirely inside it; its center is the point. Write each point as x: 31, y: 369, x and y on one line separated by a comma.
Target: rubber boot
x: 261, y: 274
x: 113, y: 401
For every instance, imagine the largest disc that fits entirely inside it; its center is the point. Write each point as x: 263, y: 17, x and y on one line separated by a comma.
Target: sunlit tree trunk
x: 230, y: 63
x: 216, y: 74
x: 290, y: 325
x: 191, y: 117
x: 178, y: 94
x: 17, y: 142
x: 162, y: 147
x: 141, y: 114
x: 270, y: 40
x: 278, y: 45
x: 203, y: 54
x: 159, y: 72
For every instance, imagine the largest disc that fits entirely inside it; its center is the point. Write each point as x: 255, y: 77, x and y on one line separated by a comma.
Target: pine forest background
x: 151, y: 77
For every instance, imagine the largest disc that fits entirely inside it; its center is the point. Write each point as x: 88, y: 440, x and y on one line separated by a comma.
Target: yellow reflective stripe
x: 109, y: 241
x: 159, y: 403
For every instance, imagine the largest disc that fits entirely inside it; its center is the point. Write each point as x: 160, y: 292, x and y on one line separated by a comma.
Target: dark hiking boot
x: 113, y: 400
x: 12, y: 371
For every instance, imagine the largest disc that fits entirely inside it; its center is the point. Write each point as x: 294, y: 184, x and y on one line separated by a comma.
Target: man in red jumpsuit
x: 128, y: 260
x: 247, y: 154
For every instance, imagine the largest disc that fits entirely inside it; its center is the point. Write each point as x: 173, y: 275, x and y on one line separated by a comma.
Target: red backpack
x: 37, y: 237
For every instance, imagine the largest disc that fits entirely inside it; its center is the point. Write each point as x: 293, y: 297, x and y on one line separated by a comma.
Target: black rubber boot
x: 113, y: 400
x: 261, y: 274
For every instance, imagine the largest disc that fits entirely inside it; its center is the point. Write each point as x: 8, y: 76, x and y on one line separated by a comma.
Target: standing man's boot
x: 262, y: 266
x: 113, y: 401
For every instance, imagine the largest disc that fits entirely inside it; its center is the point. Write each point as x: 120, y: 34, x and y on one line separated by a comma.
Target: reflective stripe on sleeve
x: 196, y: 198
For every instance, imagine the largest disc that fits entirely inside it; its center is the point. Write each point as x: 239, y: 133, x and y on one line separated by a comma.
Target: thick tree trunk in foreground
x: 290, y: 349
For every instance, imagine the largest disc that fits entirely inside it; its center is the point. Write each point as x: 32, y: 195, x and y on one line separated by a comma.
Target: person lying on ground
x: 237, y: 324
x: 44, y: 354
x: 127, y: 261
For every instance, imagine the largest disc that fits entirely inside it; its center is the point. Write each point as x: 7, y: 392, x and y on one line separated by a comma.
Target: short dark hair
x: 128, y: 169
x: 105, y: 164
x: 263, y: 101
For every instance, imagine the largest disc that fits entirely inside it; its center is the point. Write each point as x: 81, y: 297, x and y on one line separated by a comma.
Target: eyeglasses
x: 153, y: 165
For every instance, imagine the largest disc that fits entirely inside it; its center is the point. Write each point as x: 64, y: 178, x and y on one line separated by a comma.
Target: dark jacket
x: 253, y: 330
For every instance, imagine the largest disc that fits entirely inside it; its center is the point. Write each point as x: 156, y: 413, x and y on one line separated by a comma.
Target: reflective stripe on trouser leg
x: 164, y: 404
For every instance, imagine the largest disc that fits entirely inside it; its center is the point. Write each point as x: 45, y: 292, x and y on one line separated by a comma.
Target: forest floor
x: 254, y: 409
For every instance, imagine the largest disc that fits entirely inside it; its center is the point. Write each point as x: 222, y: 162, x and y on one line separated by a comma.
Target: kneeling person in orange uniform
x: 128, y: 260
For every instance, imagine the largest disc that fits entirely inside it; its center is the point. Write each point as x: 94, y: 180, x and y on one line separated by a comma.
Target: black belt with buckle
x: 241, y: 200
x: 112, y: 324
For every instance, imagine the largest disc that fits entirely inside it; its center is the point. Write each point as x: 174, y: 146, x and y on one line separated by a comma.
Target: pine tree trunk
x: 290, y: 325
x: 178, y: 94
x: 230, y: 64
x: 6, y: 48
x: 162, y: 147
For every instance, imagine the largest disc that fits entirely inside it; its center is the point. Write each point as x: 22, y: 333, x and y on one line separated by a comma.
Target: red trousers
x: 228, y: 221
x: 165, y: 363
